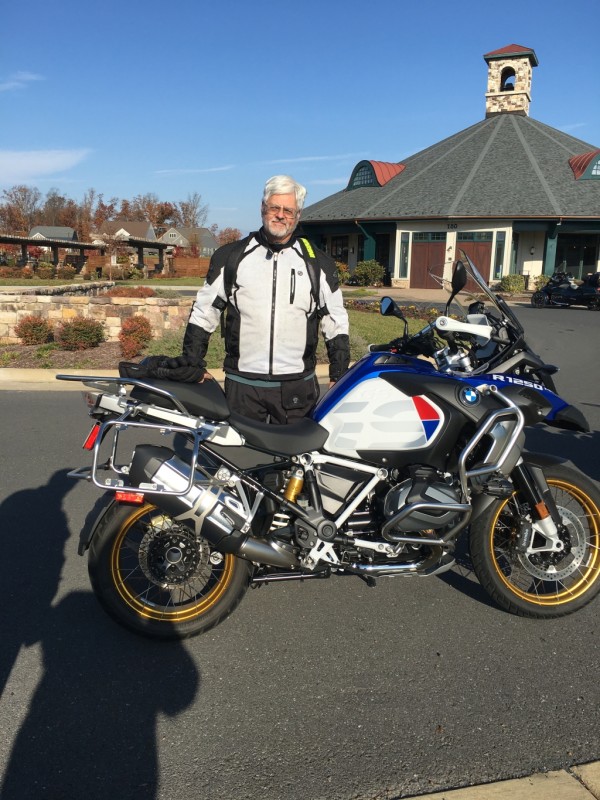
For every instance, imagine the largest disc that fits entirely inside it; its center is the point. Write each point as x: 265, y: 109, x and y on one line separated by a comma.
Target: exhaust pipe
x: 206, y: 509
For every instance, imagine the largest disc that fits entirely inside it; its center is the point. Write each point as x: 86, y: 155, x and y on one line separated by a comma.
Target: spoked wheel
x: 157, y: 578
x: 539, y: 300
x: 594, y: 304
x: 541, y: 584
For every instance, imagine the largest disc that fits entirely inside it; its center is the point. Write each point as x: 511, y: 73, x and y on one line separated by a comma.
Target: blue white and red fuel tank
x: 395, y: 409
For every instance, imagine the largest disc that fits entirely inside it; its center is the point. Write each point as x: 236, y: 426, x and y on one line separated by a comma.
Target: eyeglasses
x: 282, y: 211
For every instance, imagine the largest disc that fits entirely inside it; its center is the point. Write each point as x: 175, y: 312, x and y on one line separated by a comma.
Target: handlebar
x: 396, y: 344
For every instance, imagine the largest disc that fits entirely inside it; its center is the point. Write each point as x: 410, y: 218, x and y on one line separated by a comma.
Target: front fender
x: 482, y: 502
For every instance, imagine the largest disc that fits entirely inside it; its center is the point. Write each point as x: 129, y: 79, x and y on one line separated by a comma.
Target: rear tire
x: 539, y: 300
x: 541, y: 585
x: 157, y: 578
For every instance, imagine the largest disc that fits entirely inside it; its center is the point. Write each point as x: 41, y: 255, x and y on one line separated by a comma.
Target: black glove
x: 164, y: 368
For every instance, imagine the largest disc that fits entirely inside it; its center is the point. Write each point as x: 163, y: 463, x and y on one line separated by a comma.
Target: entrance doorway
x: 478, y: 246
x: 428, y: 254
x: 577, y: 254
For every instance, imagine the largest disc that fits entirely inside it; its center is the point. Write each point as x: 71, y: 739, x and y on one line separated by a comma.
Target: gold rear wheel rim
x: 197, y: 605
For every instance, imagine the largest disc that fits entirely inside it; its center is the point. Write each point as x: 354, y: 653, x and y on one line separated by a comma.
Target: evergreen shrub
x: 80, y: 333
x: 33, y: 329
x: 134, y: 335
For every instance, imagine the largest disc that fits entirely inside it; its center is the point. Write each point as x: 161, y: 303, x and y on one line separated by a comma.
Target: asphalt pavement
x: 581, y: 782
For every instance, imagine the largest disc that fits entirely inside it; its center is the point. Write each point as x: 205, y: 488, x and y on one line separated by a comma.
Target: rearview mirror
x: 389, y: 308
x: 459, y: 277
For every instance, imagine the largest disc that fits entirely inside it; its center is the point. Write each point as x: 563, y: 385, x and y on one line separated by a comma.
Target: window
x: 404, y: 255
x: 364, y: 176
x: 339, y: 248
x: 595, y: 171
x: 507, y: 80
x: 475, y: 236
x: 429, y: 237
x: 499, y: 255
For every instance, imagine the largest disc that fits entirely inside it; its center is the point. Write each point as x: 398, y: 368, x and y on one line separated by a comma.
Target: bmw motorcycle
x: 419, y: 444
x: 562, y: 291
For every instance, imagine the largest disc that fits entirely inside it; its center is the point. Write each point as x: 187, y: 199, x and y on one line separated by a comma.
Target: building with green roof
x: 518, y: 196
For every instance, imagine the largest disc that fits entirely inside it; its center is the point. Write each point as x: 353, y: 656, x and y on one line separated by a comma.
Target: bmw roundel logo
x: 469, y: 396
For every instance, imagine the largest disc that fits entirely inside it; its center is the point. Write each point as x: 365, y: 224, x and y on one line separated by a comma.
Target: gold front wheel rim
x: 583, y: 575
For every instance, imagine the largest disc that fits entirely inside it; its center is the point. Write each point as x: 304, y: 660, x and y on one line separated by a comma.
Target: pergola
x: 147, y: 244
x: 54, y: 244
x: 72, y: 244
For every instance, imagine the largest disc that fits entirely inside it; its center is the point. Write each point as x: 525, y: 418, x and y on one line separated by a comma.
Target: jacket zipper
x: 273, y: 299
x: 292, y: 286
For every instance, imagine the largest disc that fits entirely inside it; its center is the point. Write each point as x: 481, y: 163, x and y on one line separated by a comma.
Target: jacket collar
x: 261, y: 238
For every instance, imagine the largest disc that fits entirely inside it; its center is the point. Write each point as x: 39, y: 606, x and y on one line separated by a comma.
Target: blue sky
x: 174, y: 98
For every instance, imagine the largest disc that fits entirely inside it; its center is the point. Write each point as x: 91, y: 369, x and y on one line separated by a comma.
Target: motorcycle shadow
x: 462, y: 577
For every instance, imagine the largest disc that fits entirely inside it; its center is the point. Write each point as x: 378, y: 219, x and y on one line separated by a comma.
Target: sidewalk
x: 576, y: 783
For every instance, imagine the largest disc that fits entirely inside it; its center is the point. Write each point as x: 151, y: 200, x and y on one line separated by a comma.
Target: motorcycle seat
x: 283, y: 440
x: 205, y: 399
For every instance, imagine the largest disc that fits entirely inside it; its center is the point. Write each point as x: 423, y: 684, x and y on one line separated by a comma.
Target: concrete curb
x: 577, y: 783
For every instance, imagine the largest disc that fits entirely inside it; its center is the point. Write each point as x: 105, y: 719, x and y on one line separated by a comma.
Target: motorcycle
x: 562, y: 291
x: 414, y: 448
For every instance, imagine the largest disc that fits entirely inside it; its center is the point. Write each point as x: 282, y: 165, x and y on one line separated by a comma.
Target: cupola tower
x: 509, y: 80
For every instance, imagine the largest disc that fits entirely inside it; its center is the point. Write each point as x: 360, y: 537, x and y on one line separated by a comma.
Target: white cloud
x: 572, y: 127
x: 305, y: 159
x: 192, y: 171
x: 330, y: 182
x: 18, y: 80
x: 24, y: 166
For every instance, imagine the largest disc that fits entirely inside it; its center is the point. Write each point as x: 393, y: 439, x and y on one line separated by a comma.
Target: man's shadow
x: 91, y: 725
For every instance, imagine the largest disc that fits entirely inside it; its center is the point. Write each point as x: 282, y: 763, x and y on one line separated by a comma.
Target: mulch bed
x: 106, y: 356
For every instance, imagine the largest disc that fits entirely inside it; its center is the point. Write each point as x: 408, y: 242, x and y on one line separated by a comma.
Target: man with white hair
x: 277, y: 290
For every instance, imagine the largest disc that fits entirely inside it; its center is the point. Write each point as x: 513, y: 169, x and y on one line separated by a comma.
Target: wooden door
x: 426, y: 257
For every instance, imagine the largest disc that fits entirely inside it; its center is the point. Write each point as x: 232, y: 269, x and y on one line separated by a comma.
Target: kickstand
x: 369, y: 580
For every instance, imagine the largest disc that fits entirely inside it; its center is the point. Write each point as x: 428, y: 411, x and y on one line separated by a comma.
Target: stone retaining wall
x: 163, y: 314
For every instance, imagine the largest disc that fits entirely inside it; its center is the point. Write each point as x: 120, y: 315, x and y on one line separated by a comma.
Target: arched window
x: 364, y: 176
x: 507, y: 80
x: 586, y: 166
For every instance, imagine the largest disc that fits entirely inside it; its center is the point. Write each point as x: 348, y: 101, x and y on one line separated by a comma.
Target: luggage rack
x: 117, y: 385
x: 198, y: 430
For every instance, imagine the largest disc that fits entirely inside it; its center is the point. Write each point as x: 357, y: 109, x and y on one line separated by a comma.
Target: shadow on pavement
x: 90, y: 727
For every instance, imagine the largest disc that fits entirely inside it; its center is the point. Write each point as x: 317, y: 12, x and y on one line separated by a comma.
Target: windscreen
x: 468, y: 295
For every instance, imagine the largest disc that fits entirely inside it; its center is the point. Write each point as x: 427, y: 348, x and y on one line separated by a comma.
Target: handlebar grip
x: 380, y: 348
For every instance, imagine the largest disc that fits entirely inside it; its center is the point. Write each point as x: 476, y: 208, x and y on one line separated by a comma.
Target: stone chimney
x: 509, y: 80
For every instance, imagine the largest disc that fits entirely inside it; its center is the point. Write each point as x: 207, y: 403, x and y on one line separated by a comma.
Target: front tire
x: 539, y: 300
x: 157, y: 578
x: 541, y: 585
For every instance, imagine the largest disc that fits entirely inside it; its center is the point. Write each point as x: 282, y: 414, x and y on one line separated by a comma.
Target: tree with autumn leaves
x: 23, y: 207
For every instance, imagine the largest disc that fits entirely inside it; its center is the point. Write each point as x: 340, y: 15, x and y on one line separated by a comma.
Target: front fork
x: 530, y: 482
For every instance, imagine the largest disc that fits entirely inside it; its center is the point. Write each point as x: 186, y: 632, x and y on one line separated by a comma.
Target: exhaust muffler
x: 207, y: 509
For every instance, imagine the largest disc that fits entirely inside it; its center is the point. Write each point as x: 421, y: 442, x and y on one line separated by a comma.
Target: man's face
x: 280, y: 217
